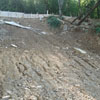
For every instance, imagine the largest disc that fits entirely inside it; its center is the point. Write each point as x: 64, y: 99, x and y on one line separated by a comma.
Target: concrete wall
x: 21, y: 15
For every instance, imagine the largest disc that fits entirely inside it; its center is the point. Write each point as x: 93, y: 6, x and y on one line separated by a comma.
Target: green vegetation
x: 97, y: 28
x: 69, y: 8
x: 53, y: 22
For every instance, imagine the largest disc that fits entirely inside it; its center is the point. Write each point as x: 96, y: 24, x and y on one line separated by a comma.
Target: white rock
x: 13, y: 45
x: 43, y: 33
x: 6, y: 97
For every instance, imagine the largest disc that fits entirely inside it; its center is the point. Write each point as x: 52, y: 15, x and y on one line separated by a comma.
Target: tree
x: 40, y: 7
x: 3, y: 5
x: 30, y: 6
x: 15, y: 5
x: 79, y: 4
x: 53, y: 6
x: 95, y: 6
x: 60, y: 3
x: 65, y: 7
x: 98, y: 12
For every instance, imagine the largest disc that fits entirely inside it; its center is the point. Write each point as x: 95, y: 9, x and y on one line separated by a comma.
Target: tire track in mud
x: 46, y: 76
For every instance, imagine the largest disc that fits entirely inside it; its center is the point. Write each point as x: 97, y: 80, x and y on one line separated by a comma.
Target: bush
x: 53, y: 22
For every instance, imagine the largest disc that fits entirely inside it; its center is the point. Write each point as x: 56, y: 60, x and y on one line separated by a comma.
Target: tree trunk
x: 79, y: 17
x: 60, y: 12
x: 60, y: 3
x: 95, y: 6
x: 79, y: 5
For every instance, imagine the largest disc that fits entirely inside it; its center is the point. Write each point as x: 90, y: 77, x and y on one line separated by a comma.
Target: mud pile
x: 46, y: 66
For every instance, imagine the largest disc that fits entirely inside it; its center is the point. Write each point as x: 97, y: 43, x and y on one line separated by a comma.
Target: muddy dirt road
x: 46, y: 67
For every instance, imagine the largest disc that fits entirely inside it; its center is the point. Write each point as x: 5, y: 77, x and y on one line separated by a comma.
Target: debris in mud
x: 13, y: 45
x: 12, y: 23
x: 5, y: 97
x: 65, y: 28
x: 41, y: 18
x: 43, y: 33
x: 80, y: 50
x: 17, y: 25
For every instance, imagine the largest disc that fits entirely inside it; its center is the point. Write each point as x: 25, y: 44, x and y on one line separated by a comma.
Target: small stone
x: 13, y: 45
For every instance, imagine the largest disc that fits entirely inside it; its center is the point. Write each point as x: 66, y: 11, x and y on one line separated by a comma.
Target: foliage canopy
x: 69, y: 8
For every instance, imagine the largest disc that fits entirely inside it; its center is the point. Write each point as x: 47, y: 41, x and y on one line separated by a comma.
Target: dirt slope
x: 45, y: 67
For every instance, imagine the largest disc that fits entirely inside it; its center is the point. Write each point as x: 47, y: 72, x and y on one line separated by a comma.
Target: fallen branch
x: 17, y: 25
x: 80, y: 50
x: 12, y: 23
x: 61, y: 20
